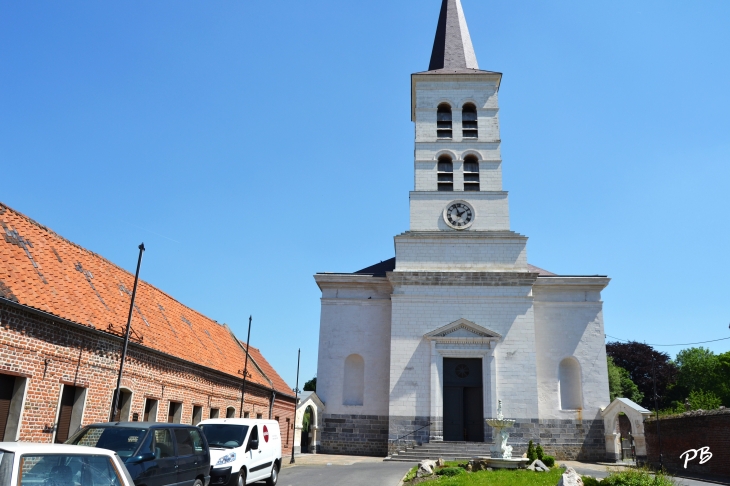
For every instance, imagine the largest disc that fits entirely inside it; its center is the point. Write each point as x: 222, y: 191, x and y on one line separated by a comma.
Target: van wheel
x: 271, y: 481
x: 242, y: 477
x: 198, y: 482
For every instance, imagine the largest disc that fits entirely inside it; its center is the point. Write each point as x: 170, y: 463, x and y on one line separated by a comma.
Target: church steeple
x: 452, y: 47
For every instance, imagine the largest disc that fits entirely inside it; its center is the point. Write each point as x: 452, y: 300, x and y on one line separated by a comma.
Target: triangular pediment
x: 463, y: 328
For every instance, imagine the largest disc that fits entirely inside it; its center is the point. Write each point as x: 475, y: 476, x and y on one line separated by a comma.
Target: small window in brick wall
x: 214, y: 413
x: 259, y: 416
x: 197, y: 414
x: 230, y: 412
x: 174, y: 413
x: 150, y: 410
x: 246, y: 414
x: 12, y: 389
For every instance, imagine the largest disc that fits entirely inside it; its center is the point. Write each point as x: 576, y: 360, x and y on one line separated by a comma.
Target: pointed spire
x: 452, y: 48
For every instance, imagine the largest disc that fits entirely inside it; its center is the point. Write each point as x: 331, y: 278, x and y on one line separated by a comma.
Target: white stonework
x: 461, y: 294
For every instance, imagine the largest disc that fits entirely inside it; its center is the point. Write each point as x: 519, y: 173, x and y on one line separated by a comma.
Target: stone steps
x: 449, y: 451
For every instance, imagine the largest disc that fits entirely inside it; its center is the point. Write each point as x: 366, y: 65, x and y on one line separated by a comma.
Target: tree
x: 311, y: 385
x: 620, y: 384
x: 704, y: 400
x: 636, y: 358
x: 699, y: 369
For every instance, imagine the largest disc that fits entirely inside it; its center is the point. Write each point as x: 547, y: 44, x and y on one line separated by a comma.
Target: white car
x: 26, y: 464
x: 243, y: 451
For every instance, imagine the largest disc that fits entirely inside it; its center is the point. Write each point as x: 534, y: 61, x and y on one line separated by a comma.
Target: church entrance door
x: 463, y: 400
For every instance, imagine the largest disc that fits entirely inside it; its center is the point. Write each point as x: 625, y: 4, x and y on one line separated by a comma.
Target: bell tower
x: 457, y: 201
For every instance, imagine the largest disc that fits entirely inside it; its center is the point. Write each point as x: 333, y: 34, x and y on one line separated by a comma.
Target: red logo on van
x: 266, y: 434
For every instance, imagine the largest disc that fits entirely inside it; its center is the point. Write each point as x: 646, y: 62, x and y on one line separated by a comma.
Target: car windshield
x: 67, y: 469
x: 122, y: 440
x: 227, y: 436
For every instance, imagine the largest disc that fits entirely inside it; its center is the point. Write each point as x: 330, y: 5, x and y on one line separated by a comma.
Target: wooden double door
x: 463, y: 400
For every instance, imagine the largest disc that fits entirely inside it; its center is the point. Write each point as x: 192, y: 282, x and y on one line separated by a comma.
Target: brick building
x: 63, y: 312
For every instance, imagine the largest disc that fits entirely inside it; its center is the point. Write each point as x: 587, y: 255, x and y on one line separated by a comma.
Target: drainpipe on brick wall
x: 271, y: 405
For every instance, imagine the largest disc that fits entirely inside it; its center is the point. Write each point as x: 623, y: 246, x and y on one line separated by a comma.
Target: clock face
x: 459, y: 215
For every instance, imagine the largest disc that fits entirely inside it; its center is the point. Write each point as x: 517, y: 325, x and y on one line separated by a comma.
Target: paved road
x: 358, y: 474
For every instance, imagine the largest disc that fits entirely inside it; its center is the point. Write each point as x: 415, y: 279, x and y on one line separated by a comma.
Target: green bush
x: 549, y: 461
x: 590, y: 481
x: 540, y: 453
x: 637, y: 477
x: 450, y: 471
x: 531, y: 453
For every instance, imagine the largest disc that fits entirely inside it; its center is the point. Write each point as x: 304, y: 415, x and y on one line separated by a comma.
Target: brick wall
x: 50, y: 353
x: 692, y: 430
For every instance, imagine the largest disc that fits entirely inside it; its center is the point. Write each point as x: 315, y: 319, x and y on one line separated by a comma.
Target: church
x: 425, y: 344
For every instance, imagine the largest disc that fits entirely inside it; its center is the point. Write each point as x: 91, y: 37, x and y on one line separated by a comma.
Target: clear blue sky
x: 252, y: 144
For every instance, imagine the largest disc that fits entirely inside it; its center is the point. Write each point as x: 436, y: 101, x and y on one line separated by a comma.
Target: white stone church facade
x: 426, y: 343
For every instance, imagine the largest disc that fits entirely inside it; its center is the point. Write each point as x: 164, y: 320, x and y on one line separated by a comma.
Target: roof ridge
x: 271, y: 383
x: 97, y: 255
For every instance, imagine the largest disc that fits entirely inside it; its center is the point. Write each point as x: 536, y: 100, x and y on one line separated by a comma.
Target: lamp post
x: 296, y: 402
x: 656, y: 407
x: 245, y: 366
x: 115, y: 400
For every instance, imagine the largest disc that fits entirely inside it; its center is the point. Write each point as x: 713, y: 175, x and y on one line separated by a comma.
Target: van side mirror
x: 253, y: 444
x: 144, y: 457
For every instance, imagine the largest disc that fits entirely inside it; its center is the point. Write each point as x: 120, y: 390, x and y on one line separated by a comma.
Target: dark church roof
x: 452, y: 47
x: 379, y: 269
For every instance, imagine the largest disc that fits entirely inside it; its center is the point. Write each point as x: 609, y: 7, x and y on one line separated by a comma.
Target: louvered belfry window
x: 471, y: 173
x: 443, y: 121
x: 445, y: 173
x: 469, y: 121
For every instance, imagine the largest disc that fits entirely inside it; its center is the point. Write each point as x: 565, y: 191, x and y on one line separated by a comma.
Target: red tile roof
x: 44, y: 271
x: 277, y: 381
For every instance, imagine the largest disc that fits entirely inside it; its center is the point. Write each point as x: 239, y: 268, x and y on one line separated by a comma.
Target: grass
x: 501, y: 477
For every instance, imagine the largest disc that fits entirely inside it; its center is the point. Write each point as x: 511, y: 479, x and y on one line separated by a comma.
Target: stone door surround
x: 461, y: 339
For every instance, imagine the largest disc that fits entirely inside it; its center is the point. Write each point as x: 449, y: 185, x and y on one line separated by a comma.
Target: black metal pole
x: 245, y: 367
x: 271, y: 405
x: 656, y: 407
x: 296, y: 402
x: 115, y: 400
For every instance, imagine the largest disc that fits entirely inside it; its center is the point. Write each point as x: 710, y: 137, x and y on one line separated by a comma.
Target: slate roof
x: 379, y: 269
x: 42, y: 270
x: 452, y: 47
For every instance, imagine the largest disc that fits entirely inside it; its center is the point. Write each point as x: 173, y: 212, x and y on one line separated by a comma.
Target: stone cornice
x: 464, y: 279
x: 352, y: 280
x: 426, y: 235
x: 338, y: 301
x: 560, y: 283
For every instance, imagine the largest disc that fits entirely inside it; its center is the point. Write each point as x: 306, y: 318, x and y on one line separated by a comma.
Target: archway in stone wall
x: 618, y: 428
x: 308, y: 420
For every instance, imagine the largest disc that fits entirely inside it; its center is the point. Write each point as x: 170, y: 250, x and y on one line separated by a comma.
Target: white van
x: 243, y: 451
